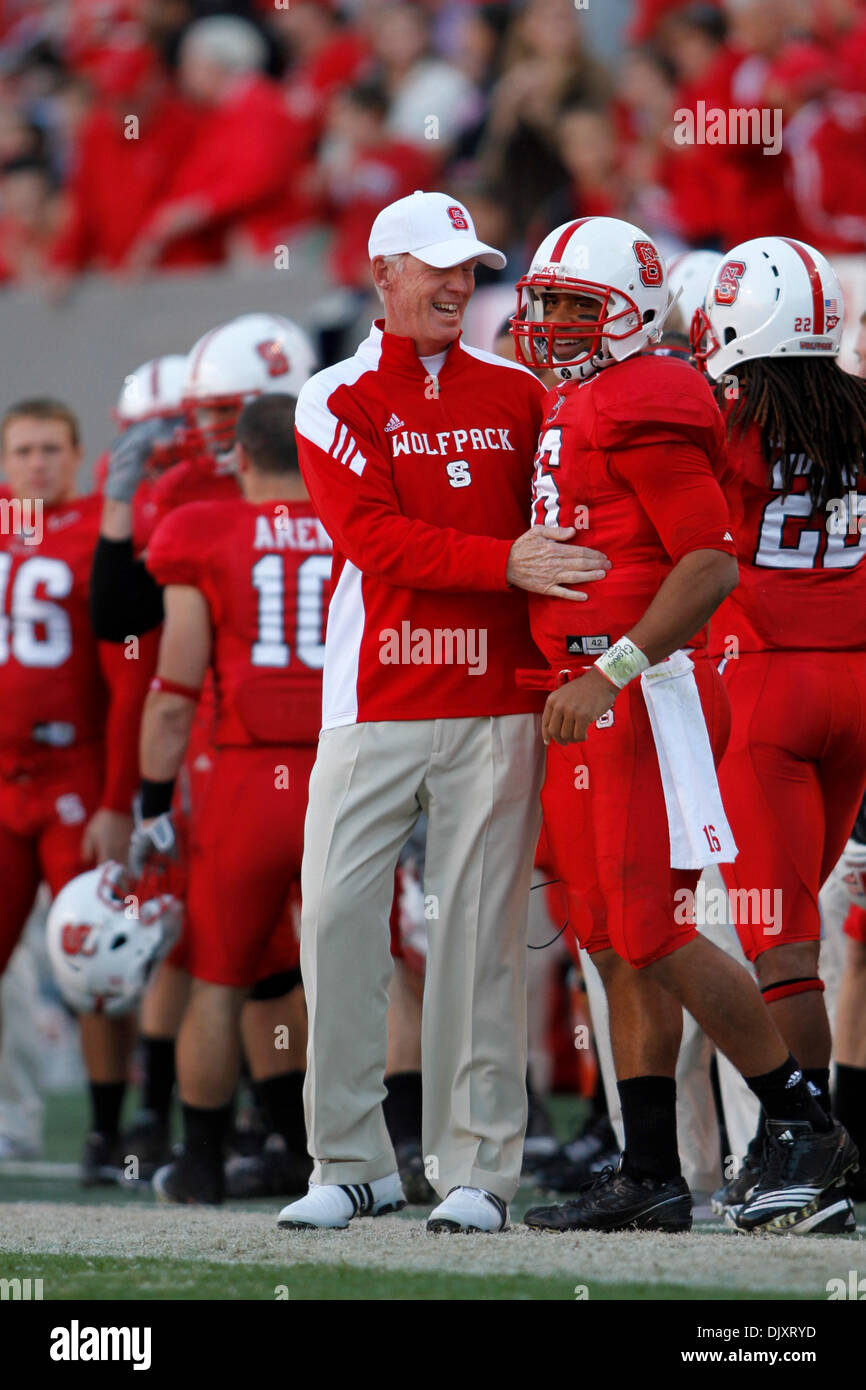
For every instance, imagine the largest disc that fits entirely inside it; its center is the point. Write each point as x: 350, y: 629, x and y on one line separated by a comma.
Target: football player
x: 793, y: 635
x: 70, y: 707
x: 245, y: 596
x: 153, y: 468
x: 632, y: 451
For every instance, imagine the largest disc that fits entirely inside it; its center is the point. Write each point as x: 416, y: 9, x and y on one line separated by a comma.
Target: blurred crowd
x: 142, y: 134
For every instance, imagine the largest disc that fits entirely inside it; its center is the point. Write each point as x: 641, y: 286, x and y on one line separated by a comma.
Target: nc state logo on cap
x: 458, y: 218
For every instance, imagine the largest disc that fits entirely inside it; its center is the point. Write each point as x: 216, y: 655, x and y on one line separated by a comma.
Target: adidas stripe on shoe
x: 331, y: 1206
x: 468, y: 1209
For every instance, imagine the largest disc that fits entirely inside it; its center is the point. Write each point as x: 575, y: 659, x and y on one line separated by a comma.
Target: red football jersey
x: 191, y: 480
x: 633, y: 458
x: 52, y: 694
x: 802, y: 574
x: 264, y: 569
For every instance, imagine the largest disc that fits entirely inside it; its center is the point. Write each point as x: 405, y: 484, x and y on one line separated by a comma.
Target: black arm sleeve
x: 125, y: 599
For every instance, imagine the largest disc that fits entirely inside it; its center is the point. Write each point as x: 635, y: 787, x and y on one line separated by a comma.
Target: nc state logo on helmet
x: 250, y: 356
x: 770, y: 297
x: 103, y: 940
x: 616, y: 270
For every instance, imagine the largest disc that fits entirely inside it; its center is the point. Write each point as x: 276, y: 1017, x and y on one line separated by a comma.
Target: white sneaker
x: 331, y: 1206
x: 468, y: 1209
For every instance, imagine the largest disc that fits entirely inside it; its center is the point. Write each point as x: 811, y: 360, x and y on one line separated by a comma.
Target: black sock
x: 785, y: 1099
x: 850, y: 1102
x: 756, y: 1143
x: 649, y: 1117
x: 598, y: 1102
x: 402, y: 1107
x: 204, y: 1131
x: 106, y: 1103
x: 282, y: 1100
x: 157, y: 1060
x: 819, y: 1077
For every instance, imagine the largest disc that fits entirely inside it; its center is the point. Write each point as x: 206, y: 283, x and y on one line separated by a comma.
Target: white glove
x: 149, y: 842
x: 853, y: 866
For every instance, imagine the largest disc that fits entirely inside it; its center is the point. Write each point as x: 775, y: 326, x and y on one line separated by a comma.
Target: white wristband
x: 622, y: 662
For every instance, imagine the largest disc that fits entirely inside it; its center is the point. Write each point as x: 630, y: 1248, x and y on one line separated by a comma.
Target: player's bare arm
x: 184, y: 653
x: 686, y: 600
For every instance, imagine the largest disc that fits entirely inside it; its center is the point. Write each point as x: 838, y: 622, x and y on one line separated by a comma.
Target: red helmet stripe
x: 814, y: 280
x: 193, y: 375
x: 556, y: 253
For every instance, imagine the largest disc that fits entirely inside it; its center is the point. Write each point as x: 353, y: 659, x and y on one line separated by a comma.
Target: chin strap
x: 603, y: 359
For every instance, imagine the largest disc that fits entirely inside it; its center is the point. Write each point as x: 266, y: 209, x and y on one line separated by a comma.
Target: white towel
x: 697, y: 824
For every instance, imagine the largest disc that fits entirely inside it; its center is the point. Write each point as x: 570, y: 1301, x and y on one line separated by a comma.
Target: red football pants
x: 45, y: 805
x: 245, y: 864
x: 792, y: 779
x: 607, y: 829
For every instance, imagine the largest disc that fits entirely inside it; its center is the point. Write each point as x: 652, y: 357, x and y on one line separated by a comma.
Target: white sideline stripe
x: 34, y: 1168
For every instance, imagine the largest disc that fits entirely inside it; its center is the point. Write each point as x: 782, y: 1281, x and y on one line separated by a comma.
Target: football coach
x: 417, y: 453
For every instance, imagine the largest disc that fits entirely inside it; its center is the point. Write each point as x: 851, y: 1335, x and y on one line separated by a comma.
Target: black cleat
x: 616, y: 1202
x: 189, y: 1182
x: 102, y: 1161
x: 580, y: 1160
x: 275, y: 1172
x: 147, y: 1142
x: 799, y: 1166
x: 410, y: 1164
x: 732, y: 1194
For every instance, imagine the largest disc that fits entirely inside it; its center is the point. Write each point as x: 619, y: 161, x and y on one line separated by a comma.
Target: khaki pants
x: 479, y: 781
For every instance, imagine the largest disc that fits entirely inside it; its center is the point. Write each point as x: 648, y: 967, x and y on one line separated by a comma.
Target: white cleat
x: 331, y: 1206
x: 468, y: 1209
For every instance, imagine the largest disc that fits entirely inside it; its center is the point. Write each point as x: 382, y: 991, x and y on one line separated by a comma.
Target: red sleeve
x: 127, y: 677
x: 255, y: 157
x: 355, y: 499
x: 680, y: 493
x: 175, y: 552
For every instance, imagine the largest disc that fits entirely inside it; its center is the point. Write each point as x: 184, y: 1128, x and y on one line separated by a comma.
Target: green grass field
x: 116, y: 1243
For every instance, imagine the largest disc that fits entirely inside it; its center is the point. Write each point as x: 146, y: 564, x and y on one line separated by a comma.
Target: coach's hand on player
x: 540, y: 562
x: 106, y: 836
x: 570, y: 710
x: 151, y: 840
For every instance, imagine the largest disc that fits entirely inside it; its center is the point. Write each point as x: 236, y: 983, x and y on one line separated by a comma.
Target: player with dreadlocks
x: 792, y: 636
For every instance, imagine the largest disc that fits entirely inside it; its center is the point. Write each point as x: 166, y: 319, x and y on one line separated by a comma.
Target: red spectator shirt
x: 118, y: 181
x: 423, y: 489
x: 240, y: 167
x: 802, y: 575
x: 264, y: 569
x: 633, y: 457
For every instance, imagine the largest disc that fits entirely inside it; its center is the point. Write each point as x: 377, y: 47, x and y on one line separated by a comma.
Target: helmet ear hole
x: 730, y: 335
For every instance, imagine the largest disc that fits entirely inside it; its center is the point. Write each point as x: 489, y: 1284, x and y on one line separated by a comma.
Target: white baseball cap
x: 433, y: 227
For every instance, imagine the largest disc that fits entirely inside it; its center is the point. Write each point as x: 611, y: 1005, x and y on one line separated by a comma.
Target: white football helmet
x: 609, y: 261
x: 770, y: 297
x: 689, y: 273
x: 103, y: 942
x: 154, y: 390
x: 252, y: 355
